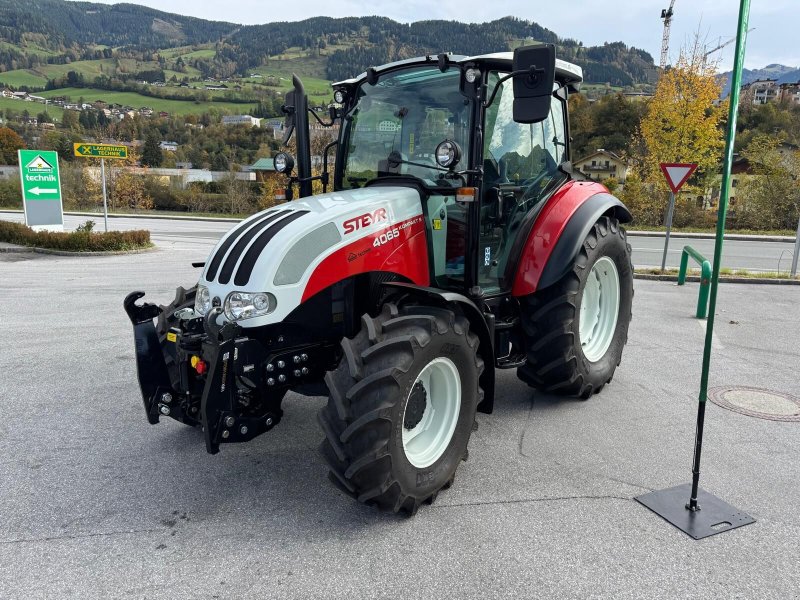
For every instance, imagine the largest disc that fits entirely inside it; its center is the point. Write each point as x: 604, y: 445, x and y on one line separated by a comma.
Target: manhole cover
x: 756, y: 402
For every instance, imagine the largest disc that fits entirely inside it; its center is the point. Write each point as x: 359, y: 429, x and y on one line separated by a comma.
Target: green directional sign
x: 100, y: 150
x: 41, y: 189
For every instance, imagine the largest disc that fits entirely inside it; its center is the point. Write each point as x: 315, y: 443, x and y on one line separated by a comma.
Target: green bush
x: 10, y: 193
x: 76, y: 241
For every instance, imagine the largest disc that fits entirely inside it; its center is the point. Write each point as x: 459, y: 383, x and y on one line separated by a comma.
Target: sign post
x: 704, y: 514
x: 101, y: 151
x: 676, y: 174
x: 41, y: 189
x: 796, y: 249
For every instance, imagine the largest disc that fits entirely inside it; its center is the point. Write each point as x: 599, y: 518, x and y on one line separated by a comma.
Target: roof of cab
x: 569, y: 73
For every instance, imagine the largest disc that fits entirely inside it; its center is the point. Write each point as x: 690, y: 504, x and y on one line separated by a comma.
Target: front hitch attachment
x: 151, y: 370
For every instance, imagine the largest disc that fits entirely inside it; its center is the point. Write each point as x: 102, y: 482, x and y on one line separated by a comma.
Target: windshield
x: 406, y: 115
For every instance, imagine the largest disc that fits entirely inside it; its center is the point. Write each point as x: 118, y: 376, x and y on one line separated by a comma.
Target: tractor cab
x: 483, y: 139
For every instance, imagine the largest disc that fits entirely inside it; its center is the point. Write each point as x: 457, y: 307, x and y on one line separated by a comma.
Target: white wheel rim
x: 425, y: 443
x: 599, y: 309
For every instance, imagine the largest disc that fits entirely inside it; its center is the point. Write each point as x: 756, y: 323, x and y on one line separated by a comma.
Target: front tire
x: 402, y: 406
x: 576, y: 329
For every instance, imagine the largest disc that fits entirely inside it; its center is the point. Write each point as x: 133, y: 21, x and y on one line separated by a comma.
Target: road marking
x: 715, y: 343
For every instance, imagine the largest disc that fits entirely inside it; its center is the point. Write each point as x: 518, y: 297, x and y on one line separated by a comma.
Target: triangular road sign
x: 677, y: 174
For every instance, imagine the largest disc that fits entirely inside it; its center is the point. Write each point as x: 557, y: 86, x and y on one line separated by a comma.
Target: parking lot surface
x: 96, y: 503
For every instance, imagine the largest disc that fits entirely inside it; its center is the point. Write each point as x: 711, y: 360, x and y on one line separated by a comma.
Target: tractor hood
x: 278, y: 250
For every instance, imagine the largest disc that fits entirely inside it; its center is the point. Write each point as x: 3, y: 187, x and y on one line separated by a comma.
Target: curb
x: 696, y: 279
x: 744, y: 237
x: 10, y: 249
x: 657, y: 234
x: 138, y: 216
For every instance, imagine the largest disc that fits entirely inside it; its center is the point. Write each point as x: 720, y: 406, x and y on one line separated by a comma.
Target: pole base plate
x: 715, y: 515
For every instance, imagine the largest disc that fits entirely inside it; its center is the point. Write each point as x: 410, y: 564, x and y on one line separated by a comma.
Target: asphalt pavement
x: 96, y: 503
x: 753, y: 255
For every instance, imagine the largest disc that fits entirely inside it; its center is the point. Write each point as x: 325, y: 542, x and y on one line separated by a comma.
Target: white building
x: 241, y: 120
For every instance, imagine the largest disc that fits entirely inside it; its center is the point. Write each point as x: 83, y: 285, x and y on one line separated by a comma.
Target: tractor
x: 456, y: 240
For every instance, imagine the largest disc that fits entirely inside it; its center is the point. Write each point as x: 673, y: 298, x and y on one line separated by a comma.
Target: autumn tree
x: 10, y: 142
x: 770, y: 198
x: 151, y: 153
x: 127, y: 190
x: 609, y: 123
x: 682, y: 123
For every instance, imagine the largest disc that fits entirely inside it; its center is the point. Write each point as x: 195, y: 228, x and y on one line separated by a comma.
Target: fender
x: 559, y: 231
x: 477, y: 324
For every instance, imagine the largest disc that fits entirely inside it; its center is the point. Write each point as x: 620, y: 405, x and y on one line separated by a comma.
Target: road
x: 647, y: 251
x: 96, y: 503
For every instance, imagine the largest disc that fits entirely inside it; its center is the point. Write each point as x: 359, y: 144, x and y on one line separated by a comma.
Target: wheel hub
x: 599, y: 309
x: 431, y: 412
x: 415, y: 408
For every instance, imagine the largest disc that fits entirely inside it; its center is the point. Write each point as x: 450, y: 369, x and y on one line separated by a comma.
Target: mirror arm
x: 488, y: 103
x: 532, y: 72
x: 320, y: 121
x: 325, y: 177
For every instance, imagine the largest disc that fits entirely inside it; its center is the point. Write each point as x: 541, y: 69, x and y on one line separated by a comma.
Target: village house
x: 790, y: 93
x: 760, y: 91
x: 602, y: 164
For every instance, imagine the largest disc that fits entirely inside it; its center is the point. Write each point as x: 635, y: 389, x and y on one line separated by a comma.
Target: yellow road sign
x: 100, y: 150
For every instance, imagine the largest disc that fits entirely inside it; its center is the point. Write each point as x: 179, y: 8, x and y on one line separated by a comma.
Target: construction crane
x: 666, y: 15
x: 721, y: 44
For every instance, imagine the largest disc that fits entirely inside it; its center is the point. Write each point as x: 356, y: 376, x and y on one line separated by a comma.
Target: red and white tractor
x: 457, y: 240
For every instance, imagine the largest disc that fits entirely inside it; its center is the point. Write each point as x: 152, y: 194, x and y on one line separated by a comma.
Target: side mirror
x: 534, y: 88
x: 288, y: 121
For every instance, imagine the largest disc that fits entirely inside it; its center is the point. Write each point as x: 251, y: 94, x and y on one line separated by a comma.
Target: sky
x: 634, y: 22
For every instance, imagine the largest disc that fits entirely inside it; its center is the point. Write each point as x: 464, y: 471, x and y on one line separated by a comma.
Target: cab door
x: 520, y: 171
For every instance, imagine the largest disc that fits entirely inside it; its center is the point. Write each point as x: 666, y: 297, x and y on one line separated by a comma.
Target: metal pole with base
x: 670, y: 212
x: 704, y: 514
x: 796, y: 249
x: 105, y: 200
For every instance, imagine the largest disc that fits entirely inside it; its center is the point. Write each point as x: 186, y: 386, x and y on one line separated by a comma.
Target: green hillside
x: 134, y: 100
x: 106, y: 52
x: 34, y: 108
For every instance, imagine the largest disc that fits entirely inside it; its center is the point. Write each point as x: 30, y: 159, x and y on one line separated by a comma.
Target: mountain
x: 782, y: 73
x: 61, y: 23
x: 44, y: 32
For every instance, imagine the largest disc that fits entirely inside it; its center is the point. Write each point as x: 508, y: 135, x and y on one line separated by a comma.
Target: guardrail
x: 705, y: 277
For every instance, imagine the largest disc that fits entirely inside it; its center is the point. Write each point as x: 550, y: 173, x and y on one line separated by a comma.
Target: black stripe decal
x: 252, y: 254
x: 241, y: 243
x: 217, y: 260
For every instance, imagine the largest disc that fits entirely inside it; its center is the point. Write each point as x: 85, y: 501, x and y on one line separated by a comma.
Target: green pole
x: 736, y: 81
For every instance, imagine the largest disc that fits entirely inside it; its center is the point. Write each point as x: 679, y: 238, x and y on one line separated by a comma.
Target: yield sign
x: 677, y: 174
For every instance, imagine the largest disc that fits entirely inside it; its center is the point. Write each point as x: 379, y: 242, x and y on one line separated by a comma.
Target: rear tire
x: 401, y: 407
x: 568, y: 353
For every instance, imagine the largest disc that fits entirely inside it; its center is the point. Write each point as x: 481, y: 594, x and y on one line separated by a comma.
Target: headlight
x: 202, y: 300
x: 283, y: 163
x: 244, y: 305
x: 472, y: 75
x: 448, y: 153
x: 339, y: 97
